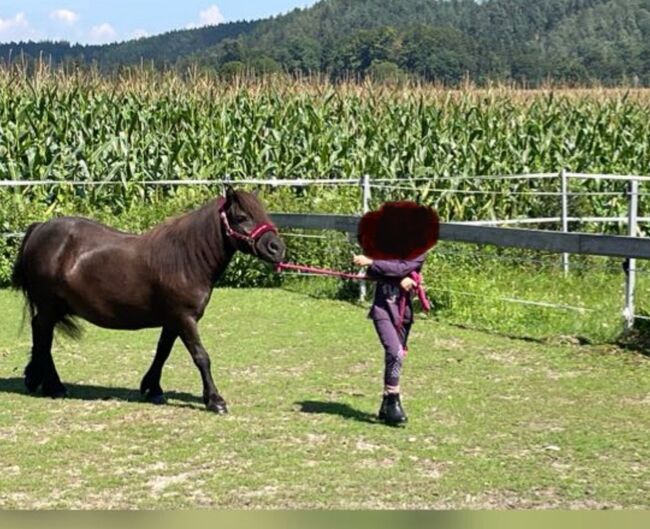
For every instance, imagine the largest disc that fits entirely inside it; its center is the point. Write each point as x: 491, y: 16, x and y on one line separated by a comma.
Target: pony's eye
x: 240, y: 218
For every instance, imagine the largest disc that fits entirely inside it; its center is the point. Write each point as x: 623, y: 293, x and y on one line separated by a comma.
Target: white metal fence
x: 480, y: 231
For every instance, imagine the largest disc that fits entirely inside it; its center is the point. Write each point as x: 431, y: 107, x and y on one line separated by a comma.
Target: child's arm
x: 395, y: 267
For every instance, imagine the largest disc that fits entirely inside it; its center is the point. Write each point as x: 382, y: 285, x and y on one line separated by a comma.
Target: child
x: 392, y: 327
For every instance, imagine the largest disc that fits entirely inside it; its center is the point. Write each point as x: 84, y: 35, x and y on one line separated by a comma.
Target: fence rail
x: 548, y: 241
x: 298, y: 182
x: 479, y: 232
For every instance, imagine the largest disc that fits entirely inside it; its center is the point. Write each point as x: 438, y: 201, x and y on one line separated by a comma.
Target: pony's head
x: 248, y: 227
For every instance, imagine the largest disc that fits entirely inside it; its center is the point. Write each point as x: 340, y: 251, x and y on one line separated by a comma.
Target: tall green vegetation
x: 145, y: 126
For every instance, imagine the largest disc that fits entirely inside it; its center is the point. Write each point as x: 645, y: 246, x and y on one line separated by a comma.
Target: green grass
x: 476, y: 287
x: 517, y: 293
x: 495, y: 422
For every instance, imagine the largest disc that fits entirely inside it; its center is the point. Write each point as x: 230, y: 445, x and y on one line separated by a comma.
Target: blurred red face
x: 399, y: 230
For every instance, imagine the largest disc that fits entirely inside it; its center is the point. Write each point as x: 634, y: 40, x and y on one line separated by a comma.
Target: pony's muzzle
x: 272, y: 247
x: 275, y: 248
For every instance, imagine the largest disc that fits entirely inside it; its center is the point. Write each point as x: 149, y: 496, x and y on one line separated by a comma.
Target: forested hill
x: 164, y: 50
x: 438, y: 40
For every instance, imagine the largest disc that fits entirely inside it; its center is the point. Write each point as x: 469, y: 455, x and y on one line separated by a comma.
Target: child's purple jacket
x: 387, y: 292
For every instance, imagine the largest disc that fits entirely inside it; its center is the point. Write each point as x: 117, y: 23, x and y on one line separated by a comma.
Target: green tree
x: 385, y: 71
x: 232, y: 69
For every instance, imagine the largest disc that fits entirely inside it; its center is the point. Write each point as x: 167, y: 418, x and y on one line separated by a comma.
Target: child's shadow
x: 336, y: 408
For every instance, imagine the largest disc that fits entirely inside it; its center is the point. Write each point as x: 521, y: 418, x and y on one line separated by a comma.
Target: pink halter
x: 252, y: 237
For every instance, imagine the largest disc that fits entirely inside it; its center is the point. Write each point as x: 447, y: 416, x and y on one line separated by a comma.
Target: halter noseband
x: 252, y: 237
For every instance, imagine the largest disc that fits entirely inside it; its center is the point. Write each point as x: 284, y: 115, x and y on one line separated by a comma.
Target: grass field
x: 494, y: 422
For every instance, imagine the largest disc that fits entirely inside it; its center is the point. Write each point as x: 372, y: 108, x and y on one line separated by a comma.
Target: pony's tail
x: 19, y: 281
x: 70, y: 327
x: 18, y: 275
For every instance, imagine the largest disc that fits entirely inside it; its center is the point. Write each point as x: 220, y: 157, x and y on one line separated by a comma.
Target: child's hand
x: 362, y: 260
x: 408, y: 284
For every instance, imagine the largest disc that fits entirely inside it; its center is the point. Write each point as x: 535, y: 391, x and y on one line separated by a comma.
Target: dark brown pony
x: 72, y: 268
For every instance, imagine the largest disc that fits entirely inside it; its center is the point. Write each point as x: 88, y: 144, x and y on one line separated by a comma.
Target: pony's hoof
x: 218, y: 407
x: 31, y: 384
x: 158, y: 400
x: 34, y: 377
x: 58, y: 392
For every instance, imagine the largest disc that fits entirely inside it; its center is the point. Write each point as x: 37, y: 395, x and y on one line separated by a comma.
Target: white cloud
x: 208, y: 17
x: 19, y: 21
x: 64, y: 15
x: 211, y: 16
x: 139, y: 34
x: 103, y: 34
x: 16, y: 28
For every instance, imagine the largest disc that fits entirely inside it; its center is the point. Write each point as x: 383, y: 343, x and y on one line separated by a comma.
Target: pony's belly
x: 116, y: 298
x: 113, y: 311
x: 118, y: 318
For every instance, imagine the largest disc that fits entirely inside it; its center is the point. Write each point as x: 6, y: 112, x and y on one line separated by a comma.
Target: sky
x: 104, y: 21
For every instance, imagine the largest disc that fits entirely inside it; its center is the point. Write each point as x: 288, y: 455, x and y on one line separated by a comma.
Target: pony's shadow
x: 89, y: 392
x: 337, y: 408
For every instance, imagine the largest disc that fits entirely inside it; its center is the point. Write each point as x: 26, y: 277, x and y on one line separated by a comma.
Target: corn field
x: 147, y: 126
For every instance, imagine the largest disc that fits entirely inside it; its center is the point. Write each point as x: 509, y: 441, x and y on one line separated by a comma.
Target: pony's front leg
x: 190, y: 336
x: 150, y: 385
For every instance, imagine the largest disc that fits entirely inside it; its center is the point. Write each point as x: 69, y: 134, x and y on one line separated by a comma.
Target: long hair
x: 193, y: 247
x: 189, y: 247
x: 66, y: 324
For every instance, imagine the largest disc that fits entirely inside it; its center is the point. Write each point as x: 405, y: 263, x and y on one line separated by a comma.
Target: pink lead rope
x: 321, y: 271
x: 415, y: 276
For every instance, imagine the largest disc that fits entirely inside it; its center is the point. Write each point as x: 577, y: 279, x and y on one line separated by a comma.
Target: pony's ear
x: 231, y: 194
x: 256, y: 192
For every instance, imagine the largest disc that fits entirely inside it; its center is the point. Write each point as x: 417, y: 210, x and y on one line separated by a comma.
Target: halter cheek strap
x: 262, y: 229
x: 251, y: 237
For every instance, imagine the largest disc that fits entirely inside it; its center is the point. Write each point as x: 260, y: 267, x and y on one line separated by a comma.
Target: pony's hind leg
x: 41, y: 368
x: 150, y: 384
x: 190, y: 336
x: 34, y: 372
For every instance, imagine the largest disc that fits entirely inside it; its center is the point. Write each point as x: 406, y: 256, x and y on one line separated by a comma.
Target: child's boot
x: 391, y: 411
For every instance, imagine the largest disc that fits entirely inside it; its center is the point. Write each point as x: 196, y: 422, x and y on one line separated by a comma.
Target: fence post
x: 630, y: 264
x: 365, y: 207
x: 565, y: 217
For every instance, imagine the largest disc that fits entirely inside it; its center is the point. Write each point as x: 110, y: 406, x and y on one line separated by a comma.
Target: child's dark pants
x: 394, y: 347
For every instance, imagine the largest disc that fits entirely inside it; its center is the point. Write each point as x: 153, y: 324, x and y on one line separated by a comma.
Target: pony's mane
x: 189, y: 247
x: 192, y: 247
